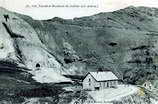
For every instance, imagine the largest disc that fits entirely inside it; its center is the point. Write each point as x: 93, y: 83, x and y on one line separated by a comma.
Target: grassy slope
x: 90, y: 36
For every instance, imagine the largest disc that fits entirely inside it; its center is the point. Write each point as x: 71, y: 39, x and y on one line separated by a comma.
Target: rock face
x: 82, y: 44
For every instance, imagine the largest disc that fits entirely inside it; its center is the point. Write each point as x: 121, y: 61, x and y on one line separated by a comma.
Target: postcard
x: 78, y: 52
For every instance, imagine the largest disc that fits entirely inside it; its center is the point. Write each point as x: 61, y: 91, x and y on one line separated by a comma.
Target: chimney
x: 99, y: 70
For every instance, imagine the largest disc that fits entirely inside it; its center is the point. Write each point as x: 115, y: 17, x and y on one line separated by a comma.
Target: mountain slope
x: 21, y: 43
x: 84, y: 44
x: 89, y: 40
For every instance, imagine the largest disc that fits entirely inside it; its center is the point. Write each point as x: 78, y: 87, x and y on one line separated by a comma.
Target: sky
x: 27, y: 7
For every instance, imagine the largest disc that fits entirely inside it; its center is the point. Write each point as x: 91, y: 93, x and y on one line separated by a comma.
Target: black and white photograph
x: 78, y: 52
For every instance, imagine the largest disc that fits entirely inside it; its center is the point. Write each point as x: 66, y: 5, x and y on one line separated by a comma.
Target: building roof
x: 103, y: 76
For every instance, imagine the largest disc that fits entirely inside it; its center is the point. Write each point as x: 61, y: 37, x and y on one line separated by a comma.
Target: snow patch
x: 31, y: 101
x: 6, y: 47
x: 48, y: 75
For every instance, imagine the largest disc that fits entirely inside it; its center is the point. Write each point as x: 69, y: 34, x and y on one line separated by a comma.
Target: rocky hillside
x: 78, y: 45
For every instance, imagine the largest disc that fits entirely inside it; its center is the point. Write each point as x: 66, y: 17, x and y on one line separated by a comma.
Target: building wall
x: 90, y: 83
x: 108, y: 84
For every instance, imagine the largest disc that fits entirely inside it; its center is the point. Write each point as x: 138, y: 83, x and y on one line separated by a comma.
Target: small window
x: 107, y: 84
x: 89, y: 82
x: 104, y: 84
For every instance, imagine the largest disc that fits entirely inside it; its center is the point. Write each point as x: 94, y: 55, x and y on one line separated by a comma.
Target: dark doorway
x: 37, y: 65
